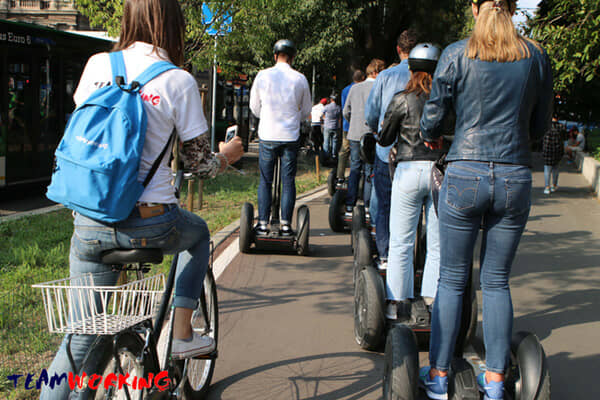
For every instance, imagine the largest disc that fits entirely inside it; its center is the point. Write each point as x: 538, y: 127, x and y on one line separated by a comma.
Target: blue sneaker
x: 491, y: 390
x: 436, y: 388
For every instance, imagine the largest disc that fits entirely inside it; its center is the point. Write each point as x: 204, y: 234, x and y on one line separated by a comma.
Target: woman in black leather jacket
x: 411, y: 186
x: 500, y: 85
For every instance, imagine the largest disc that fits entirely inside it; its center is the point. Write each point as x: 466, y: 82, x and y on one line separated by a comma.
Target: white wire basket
x: 76, y: 305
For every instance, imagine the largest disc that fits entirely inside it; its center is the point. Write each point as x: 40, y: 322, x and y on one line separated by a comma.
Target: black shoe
x: 261, y: 230
x: 286, y: 230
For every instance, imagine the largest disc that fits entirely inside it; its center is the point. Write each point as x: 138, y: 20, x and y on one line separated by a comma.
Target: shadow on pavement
x: 322, y: 377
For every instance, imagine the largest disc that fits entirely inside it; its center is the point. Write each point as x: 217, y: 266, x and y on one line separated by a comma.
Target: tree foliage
x: 570, y: 32
x: 334, y: 37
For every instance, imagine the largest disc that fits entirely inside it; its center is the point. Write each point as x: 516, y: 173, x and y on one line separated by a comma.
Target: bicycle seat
x: 132, y: 256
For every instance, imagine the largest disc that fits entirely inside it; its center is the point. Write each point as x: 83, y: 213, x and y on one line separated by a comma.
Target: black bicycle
x: 134, y: 329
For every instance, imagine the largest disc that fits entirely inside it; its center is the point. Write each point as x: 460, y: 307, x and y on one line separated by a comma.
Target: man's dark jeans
x: 383, y: 188
x: 356, y: 170
x: 268, y: 154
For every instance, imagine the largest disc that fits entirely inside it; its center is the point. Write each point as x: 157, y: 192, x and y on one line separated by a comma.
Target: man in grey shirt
x: 354, y: 111
x: 332, y: 115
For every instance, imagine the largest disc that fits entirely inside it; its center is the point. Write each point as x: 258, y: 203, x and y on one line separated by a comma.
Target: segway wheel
x: 462, y: 383
x: 363, y: 254
x: 336, y: 211
x: 401, y: 365
x: 303, y: 230
x: 528, y: 376
x: 246, y: 228
x: 331, y: 182
x: 369, y: 319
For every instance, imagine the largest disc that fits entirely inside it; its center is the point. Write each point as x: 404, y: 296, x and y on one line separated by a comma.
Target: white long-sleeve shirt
x: 280, y: 97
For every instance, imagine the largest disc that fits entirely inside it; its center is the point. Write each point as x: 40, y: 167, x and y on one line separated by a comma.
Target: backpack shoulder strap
x: 153, y: 71
x: 117, y: 63
x: 161, y: 156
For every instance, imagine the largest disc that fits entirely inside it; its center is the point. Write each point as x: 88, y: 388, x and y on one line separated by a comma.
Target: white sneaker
x: 382, y: 265
x: 198, y: 346
x: 553, y: 188
x: 547, y: 191
x: 391, y: 311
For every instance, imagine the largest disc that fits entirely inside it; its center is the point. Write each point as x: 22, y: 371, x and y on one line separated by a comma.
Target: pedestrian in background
x: 316, y: 135
x: 332, y: 114
x: 553, y: 151
x: 344, y: 153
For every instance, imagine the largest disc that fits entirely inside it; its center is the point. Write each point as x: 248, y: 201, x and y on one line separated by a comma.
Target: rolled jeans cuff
x: 185, y: 302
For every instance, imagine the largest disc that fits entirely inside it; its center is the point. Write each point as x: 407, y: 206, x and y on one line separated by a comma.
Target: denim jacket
x: 500, y: 107
x: 387, y: 84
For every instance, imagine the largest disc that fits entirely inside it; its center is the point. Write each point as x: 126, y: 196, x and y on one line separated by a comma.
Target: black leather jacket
x: 500, y: 107
x: 401, y: 125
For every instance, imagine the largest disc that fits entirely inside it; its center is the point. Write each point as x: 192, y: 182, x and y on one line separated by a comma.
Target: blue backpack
x: 98, y: 158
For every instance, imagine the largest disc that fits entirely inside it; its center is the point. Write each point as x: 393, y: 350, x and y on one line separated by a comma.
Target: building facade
x: 57, y: 14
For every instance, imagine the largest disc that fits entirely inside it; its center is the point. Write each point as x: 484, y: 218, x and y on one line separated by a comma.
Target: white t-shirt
x: 316, y: 114
x: 171, y: 100
x: 581, y: 140
x: 280, y: 97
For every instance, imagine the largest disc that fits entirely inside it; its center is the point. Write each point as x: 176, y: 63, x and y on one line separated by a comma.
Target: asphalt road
x: 286, y: 323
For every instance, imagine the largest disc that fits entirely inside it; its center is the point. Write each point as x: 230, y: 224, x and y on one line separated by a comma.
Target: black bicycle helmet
x: 368, y: 143
x: 424, y: 57
x: 285, y: 46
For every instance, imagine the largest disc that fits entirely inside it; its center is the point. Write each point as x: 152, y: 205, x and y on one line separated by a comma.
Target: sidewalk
x: 287, y: 321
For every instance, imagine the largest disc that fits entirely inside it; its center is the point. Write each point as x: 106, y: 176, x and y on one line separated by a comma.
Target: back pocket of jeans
x: 461, y: 191
x: 518, y: 195
x: 165, y: 241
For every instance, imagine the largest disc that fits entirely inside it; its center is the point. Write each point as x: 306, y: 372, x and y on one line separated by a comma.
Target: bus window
x: 19, y: 107
x: 49, y: 130
x: 20, y: 159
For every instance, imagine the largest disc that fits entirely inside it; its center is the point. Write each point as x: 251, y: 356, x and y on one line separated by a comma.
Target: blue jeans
x: 356, y: 170
x: 497, y: 195
x: 268, y: 154
x: 411, y: 189
x: 176, y: 231
x: 383, y: 188
x: 551, y: 171
x: 330, y: 141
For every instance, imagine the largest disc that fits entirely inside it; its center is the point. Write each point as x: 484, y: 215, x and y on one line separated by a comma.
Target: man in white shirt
x: 280, y: 98
x: 315, y: 117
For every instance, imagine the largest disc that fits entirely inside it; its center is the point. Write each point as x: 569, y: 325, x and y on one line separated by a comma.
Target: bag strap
x: 159, y: 160
x: 117, y: 63
x: 153, y: 71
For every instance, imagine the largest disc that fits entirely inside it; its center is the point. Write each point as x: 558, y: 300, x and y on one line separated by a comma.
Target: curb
x: 590, y: 170
x: 31, y: 213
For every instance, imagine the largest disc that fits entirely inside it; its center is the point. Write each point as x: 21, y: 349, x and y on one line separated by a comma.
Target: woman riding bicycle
x: 151, y: 31
x: 411, y: 185
x: 500, y: 85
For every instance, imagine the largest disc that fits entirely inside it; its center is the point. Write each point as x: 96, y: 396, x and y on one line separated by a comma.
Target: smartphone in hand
x: 231, y: 132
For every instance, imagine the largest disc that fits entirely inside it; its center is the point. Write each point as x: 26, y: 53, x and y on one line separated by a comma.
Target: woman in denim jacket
x: 500, y: 85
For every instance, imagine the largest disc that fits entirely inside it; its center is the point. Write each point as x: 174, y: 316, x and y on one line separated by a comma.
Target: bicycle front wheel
x: 129, y: 350
x: 204, y: 321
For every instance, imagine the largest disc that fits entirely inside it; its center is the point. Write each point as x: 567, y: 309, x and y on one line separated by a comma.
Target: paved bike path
x: 286, y: 323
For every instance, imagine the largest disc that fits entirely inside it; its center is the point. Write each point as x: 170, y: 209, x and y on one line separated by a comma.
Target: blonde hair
x: 495, y: 37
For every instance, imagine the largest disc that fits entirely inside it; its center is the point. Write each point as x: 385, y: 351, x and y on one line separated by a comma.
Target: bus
x: 39, y: 71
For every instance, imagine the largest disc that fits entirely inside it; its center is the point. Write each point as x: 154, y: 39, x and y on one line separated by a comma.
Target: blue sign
x: 209, y: 19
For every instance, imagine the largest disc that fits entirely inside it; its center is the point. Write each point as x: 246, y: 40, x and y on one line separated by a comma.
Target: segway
x: 274, y: 241
x: 370, y: 324
x: 527, y: 377
x: 338, y: 222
